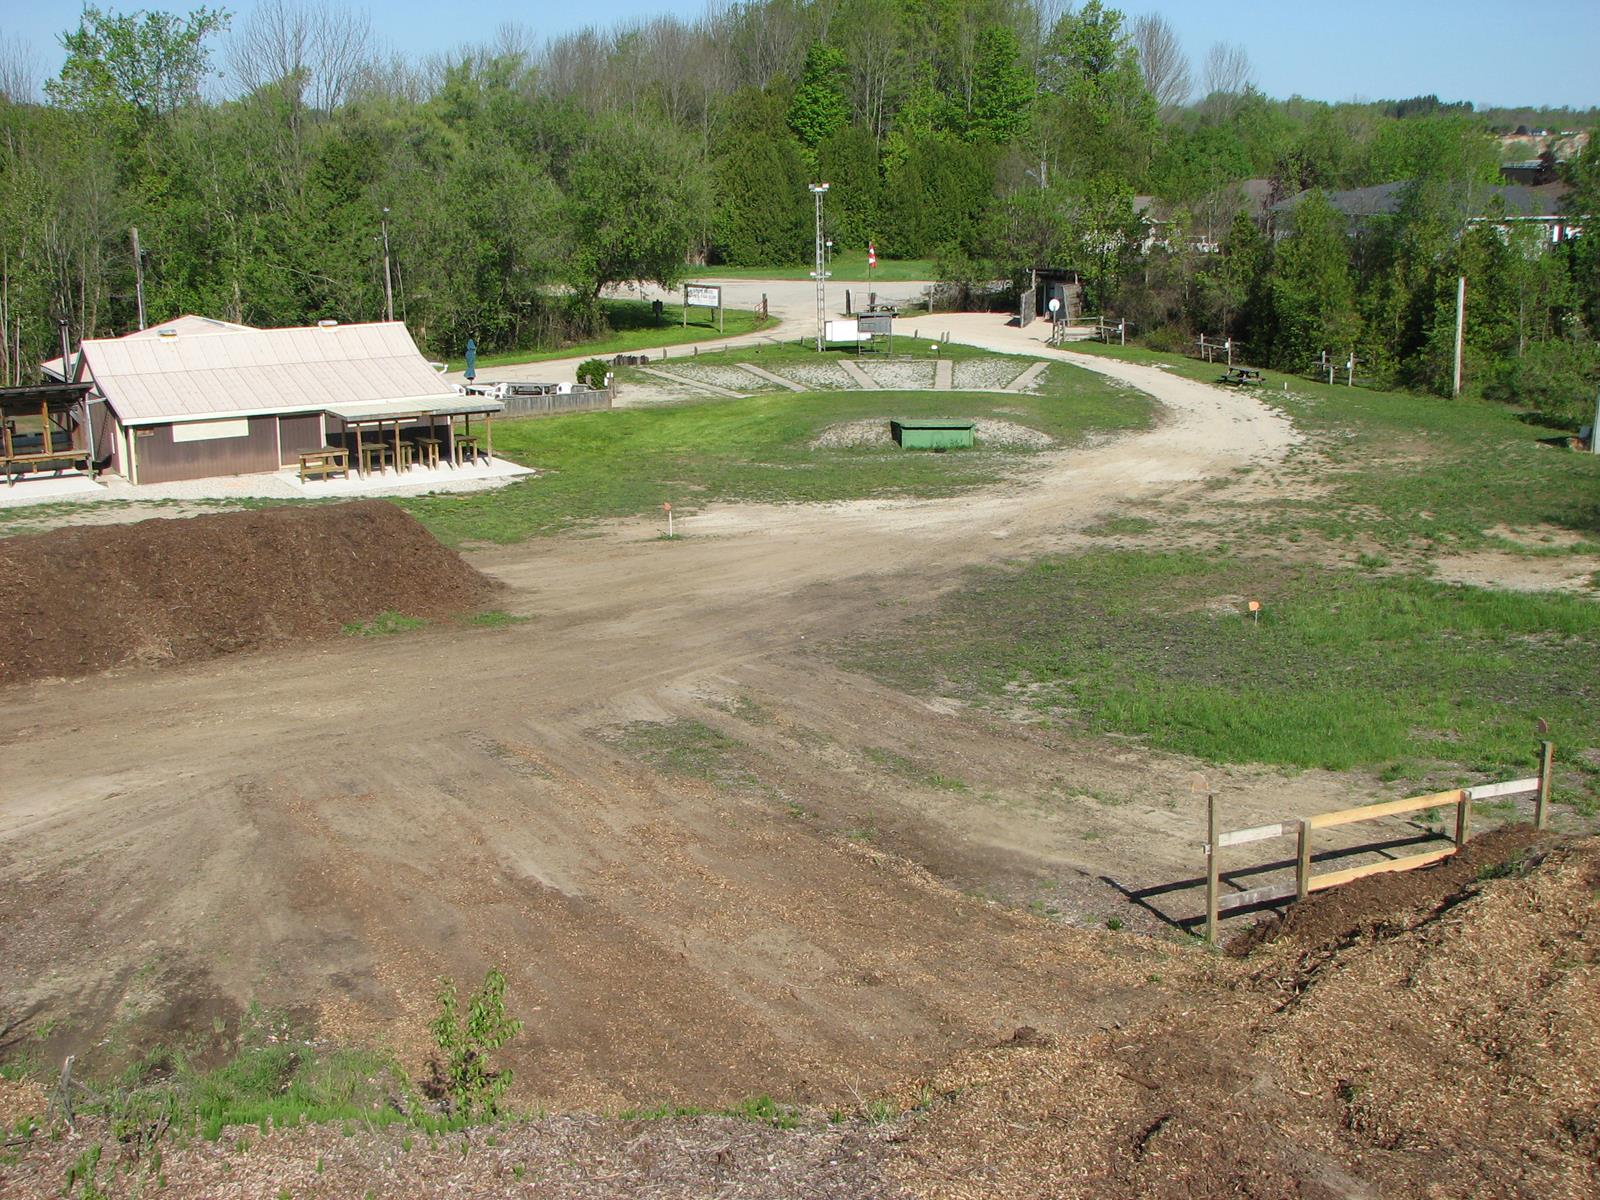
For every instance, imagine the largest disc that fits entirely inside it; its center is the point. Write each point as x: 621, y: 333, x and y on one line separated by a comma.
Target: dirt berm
x: 83, y: 600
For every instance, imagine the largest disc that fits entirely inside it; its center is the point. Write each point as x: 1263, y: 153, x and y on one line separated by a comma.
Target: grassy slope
x: 634, y: 327
x: 626, y: 462
x: 847, y: 266
x: 1367, y: 665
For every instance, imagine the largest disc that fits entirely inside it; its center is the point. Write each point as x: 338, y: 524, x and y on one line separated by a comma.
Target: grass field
x: 634, y: 327
x: 847, y: 266
x: 1414, y: 473
x: 628, y: 461
x: 1371, y: 665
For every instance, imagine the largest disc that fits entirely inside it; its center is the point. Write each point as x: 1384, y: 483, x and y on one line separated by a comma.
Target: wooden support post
x: 1211, y: 869
x: 396, y: 445
x: 1541, y: 803
x: 1463, y: 819
x: 361, y: 462
x: 1302, y: 868
x: 488, y: 437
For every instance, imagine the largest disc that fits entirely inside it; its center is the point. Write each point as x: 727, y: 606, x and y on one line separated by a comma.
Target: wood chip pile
x: 87, y: 599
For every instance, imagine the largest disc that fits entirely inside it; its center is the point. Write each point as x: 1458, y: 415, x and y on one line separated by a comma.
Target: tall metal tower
x: 821, y: 273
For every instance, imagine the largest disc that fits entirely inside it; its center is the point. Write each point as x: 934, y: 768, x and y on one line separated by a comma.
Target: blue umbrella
x: 472, y: 360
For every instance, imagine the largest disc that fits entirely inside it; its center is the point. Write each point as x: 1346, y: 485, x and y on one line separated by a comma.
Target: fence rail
x: 1305, y: 882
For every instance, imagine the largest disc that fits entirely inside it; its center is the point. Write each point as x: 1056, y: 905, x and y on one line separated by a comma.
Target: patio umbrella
x: 472, y: 360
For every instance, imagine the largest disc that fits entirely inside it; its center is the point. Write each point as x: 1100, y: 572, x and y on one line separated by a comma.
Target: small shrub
x: 462, y: 1075
x: 593, y: 372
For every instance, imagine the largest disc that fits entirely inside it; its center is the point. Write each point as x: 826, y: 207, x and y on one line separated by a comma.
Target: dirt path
x: 332, y: 829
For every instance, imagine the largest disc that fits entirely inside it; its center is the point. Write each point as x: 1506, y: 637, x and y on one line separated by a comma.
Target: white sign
x: 704, y: 294
x: 842, y: 331
x: 207, y: 431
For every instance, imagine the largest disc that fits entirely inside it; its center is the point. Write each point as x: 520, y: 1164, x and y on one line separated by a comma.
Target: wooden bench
x: 330, y: 460
x: 466, y: 448
x: 428, y: 452
x: 18, y: 465
x: 1239, y: 376
x: 380, y: 453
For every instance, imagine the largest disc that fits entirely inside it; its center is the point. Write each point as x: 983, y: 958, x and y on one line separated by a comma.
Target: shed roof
x: 186, y: 324
x: 231, y: 373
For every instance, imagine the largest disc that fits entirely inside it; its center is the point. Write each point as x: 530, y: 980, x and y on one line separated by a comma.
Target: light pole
x: 388, y: 283
x: 821, y: 272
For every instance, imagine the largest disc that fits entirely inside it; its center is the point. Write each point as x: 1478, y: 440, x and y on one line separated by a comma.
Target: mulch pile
x: 86, y: 599
x: 1442, y: 1049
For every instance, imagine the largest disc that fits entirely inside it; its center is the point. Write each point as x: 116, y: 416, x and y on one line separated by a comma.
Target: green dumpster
x: 931, y: 433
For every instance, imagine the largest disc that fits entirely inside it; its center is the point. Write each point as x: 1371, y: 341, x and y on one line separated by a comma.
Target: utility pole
x: 821, y: 273
x: 388, y: 283
x: 1461, y: 313
x: 138, y: 272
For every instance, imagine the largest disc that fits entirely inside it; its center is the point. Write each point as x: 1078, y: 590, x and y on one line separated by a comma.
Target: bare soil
x: 170, y: 591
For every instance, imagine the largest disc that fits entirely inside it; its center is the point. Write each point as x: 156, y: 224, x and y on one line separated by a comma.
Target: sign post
x: 667, y: 508
x: 702, y: 295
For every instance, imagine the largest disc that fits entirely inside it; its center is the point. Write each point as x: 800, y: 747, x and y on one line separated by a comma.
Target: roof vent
x: 325, y: 323
x: 167, y: 334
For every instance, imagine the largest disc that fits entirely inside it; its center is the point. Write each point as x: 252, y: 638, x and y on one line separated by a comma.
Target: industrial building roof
x: 182, y: 376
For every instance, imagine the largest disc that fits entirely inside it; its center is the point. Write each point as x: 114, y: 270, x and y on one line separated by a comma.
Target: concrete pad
x: 1025, y: 380
x: 944, y: 374
x: 862, y: 380
x: 50, y: 489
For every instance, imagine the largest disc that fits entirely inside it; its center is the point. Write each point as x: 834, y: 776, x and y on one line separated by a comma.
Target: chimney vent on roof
x: 167, y: 335
x: 325, y: 323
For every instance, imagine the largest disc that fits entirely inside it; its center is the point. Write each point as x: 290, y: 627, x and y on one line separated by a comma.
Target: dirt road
x: 795, y: 911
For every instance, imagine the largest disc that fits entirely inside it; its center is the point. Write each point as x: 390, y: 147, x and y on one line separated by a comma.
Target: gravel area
x: 981, y: 374
x: 819, y: 376
x: 914, y: 375
x: 852, y: 435
x: 731, y: 378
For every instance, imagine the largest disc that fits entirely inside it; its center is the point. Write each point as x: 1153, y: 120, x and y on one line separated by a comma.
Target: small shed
x: 932, y: 433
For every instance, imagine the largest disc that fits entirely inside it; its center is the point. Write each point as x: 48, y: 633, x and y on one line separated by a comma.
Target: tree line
x: 261, y: 160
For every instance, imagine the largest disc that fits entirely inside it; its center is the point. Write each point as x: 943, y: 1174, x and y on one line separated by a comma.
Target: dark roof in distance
x: 1384, y: 199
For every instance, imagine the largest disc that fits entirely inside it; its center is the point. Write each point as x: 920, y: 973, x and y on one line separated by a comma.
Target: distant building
x: 1506, y: 205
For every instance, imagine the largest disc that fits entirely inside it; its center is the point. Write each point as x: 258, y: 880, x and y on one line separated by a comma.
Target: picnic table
x: 466, y: 447
x: 428, y: 452
x: 1239, y: 376
x: 379, y: 452
x: 330, y: 460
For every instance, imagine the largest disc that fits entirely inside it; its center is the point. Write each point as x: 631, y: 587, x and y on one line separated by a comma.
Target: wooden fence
x: 1305, y: 882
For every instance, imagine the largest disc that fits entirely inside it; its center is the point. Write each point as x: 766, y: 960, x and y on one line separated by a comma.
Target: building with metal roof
x: 196, y: 398
x: 1499, y: 204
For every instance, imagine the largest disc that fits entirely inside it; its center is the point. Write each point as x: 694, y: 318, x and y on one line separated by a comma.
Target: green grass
x: 383, y: 625
x: 494, y: 619
x: 626, y: 462
x: 1414, y: 474
x: 634, y: 327
x: 847, y: 266
x: 685, y: 747
x: 1343, y: 671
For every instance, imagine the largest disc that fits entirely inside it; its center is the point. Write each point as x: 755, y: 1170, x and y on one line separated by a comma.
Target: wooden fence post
x: 1211, y: 869
x: 1541, y: 804
x: 1302, y: 868
x: 1463, y: 818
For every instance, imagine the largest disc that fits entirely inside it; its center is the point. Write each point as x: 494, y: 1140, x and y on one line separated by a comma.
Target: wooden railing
x: 1305, y: 882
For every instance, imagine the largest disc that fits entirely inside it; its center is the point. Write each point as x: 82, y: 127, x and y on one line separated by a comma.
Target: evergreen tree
x: 820, y: 108
x: 1310, y: 291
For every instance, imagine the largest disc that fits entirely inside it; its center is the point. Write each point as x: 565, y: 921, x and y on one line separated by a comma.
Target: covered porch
x: 406, y: 435
x: 43, y: 428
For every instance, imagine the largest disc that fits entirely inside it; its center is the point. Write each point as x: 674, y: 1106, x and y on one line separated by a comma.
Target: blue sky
x: 1487, y: 51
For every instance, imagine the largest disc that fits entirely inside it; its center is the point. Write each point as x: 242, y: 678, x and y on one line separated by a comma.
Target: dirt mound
x: 1348, y: 911
x: 1446, y: 1052
x: 88, y: 599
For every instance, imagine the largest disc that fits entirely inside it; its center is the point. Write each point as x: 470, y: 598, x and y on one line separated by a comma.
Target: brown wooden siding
x: 299, y: 433
x: 161, y: 460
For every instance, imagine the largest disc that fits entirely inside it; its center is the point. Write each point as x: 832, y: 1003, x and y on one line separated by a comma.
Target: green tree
x: 133, y: 69
x: 1100, y: 115
x: 1310, y: 291
x: 636, y: 201
x: 1002, y: 91
x: 763, y: 212
x: 820, y: 107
